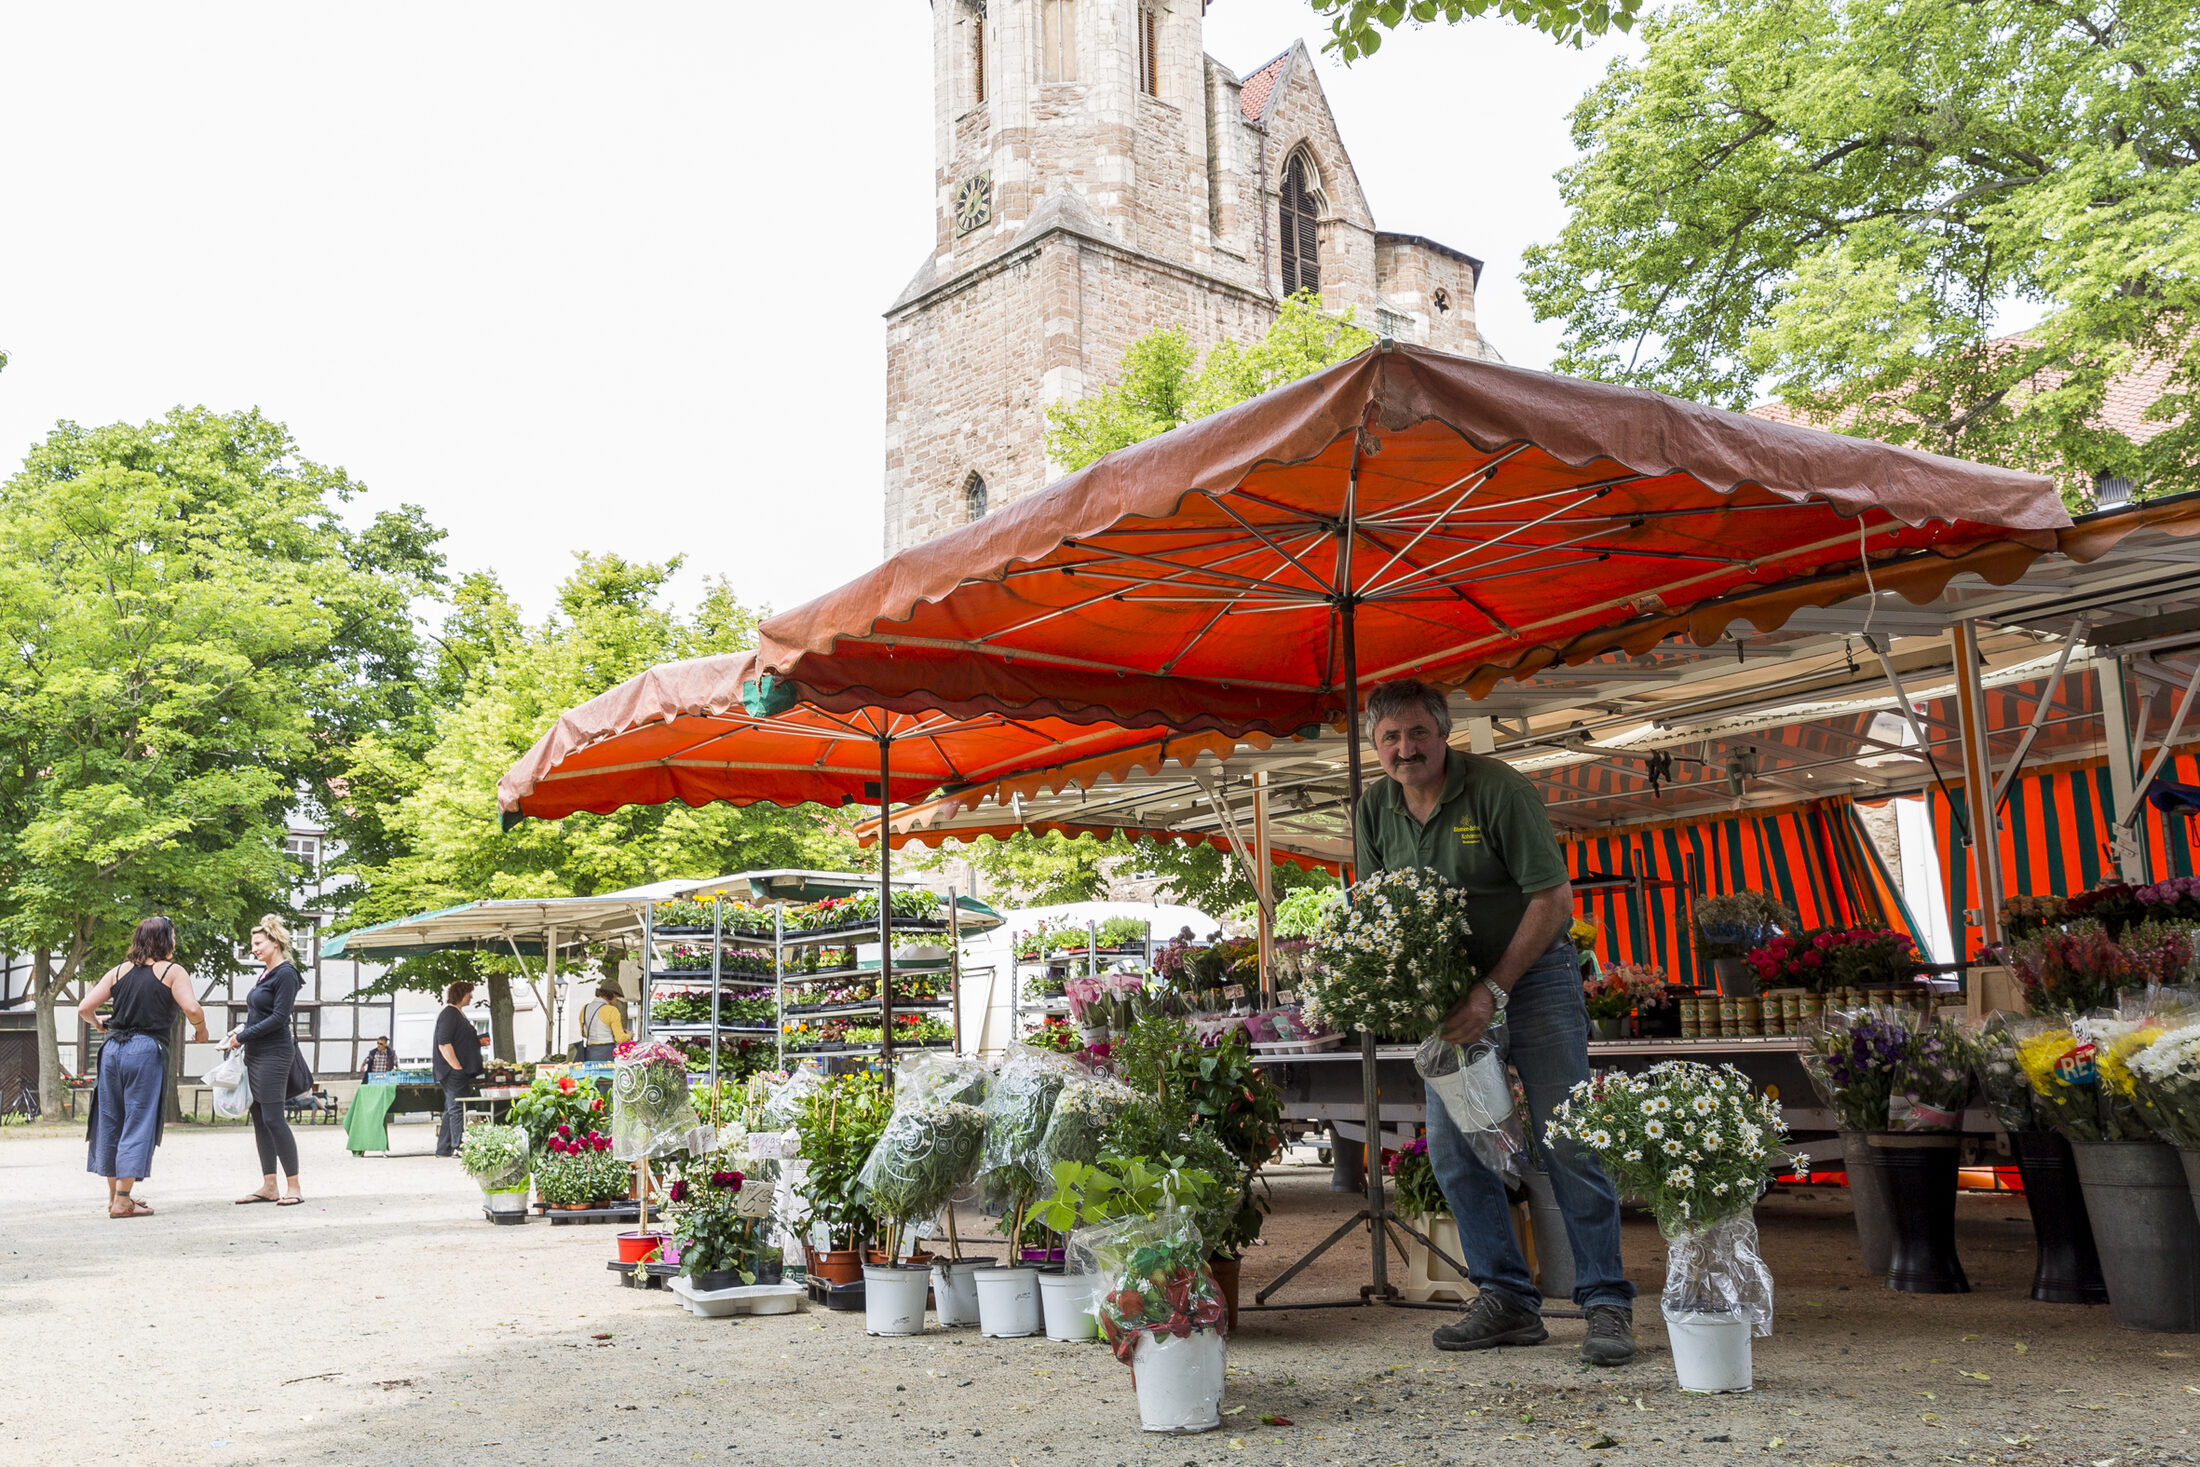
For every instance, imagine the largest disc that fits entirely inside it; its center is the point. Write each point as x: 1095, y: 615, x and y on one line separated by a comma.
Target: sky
x: 604, y: 278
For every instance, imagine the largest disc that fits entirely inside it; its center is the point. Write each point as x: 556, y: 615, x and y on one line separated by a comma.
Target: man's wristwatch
x: 1496, y: 992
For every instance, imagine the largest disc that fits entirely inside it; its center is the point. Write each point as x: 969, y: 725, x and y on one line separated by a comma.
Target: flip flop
x: 288, y: 1201
x: 137, y: 1209
x: 255, y: 1197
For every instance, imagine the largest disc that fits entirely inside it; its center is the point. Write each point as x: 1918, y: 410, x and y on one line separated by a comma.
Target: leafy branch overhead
x: 1356, y: 27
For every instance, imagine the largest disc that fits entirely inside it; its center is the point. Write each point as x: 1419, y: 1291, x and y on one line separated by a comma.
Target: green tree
x: 1356, y: 26
x: 1165, y: 385
x: 1835, y: 196
x: 193, y: 633
x: 509, y: 682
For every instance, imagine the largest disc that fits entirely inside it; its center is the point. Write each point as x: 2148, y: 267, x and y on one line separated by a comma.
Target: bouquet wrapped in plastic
x: 935, y: 1075
x: 1018, y: 1104
x: 2001, y: 1082
x: 2127, y: 1112
x: 1852, y: 1059
x: 1933, y: 1079
x: 1695, y: 1143
x: 783, y: 1104
x: 2058, y: 1063
x: 2166, y: 1073
x: 929, y: 1149
x: 1153, y: 1284
x: 1477, y: 1095
x: 1083, y: 1114
x: 651, y: 1113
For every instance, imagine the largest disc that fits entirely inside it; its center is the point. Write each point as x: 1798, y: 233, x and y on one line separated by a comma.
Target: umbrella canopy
x: 681, y: 732
x: 1402, y: 512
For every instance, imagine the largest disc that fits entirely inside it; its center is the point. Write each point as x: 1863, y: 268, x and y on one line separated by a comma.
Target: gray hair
x: 1404, y: 695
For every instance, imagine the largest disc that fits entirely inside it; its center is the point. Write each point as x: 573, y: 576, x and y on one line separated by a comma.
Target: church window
x: 974, y: 498
x: 977, y: 59
x: 1441, y: 300
x: 1149, y: 52
x: 1298, y: 226
x: 1058, y: 39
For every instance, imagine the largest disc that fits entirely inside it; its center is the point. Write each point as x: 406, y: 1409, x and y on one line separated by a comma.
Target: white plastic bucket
x: 1710, y: 1351
x: 955, y: 1291
x: 510, y: 1200
x: 1179, y: 1381
x: 1008, y: 1302
x: 893, y: 1299
x: 1067, y: 1301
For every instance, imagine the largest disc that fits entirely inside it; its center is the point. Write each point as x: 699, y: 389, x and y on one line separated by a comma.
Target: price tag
x: 1287, y: 996
x: 1233, y: 990
x: 766, y: 1145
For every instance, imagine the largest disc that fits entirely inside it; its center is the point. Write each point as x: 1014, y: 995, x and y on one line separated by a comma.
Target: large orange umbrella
x: 1405, y: 512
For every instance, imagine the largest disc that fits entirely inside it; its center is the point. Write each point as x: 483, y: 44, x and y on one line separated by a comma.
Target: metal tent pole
x: 885, y: 912
x: 717, y: 945
x: 954, y: 975
x: 779, y: 979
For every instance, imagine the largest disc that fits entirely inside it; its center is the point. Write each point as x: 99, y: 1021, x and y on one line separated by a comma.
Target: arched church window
x: 1298, y: 227
x: 974, y: 498
x: 1058, y: 40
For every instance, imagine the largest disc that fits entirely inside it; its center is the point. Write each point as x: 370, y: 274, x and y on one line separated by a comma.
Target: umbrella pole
x: 717, y: 944
x: 885, y: 913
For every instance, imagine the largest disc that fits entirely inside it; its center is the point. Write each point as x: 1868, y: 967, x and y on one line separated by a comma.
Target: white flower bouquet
x: 2165, y: 1076
x: 1694, y: 1143
x: 1394, y: 960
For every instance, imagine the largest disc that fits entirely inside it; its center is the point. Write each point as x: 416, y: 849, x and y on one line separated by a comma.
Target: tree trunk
x: 500, y: 1016
x: 172, y: 1078
x: 44, y: 989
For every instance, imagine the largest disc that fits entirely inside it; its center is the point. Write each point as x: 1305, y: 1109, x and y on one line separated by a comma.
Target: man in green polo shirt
x: 1481, y: 825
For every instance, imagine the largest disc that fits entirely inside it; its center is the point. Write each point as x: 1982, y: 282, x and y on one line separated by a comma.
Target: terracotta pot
x: 839, y: 1266
x: 877, y: 1258
x: 1225, y: 1271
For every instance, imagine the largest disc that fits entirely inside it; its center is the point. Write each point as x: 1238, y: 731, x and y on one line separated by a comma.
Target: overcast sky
x: 593, y: 277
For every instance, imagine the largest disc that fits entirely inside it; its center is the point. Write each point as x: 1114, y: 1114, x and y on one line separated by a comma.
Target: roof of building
x: 1260, y: 86
x: 1394, y: 237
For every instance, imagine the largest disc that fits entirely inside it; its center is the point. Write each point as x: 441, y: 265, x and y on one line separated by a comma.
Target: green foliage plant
x: 836, y: 1126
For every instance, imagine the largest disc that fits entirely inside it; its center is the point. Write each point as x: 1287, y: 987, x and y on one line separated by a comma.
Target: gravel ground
x: 385, y: 1323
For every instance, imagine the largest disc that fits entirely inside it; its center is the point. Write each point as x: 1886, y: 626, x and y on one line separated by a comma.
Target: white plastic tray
x: 741, y: 1299
x: 1298, y: 1046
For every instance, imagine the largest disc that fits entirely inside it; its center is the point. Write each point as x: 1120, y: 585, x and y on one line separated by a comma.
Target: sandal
x: 137, y: 1209
x: 254, y: 1197
x: 291, y: 1201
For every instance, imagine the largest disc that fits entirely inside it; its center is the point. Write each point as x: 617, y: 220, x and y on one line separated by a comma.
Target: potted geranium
x: 720, y: 1217
x: 1694, y: 1143
x: 496, y: 1158
x: 1162, y: 1313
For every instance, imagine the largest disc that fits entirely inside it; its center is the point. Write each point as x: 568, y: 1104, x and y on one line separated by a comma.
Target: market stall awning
x: 1403, y: 512
x: 501, y: 926
x: 681, y: 731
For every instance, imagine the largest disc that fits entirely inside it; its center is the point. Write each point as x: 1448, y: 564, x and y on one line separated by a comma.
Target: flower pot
x: 893, y: 1299
x: 1092, y: 1034
x: 512, y: 1199
x: 1736, y: 979
x: 1065, y: 1299
x: 839, y: 1266
x: 1868, y: 1198
x: 1008, y: 1302
x: 636, y: 1246
x: 1921, y: 1203
x: 955, y: 1290
x: 1179, y: 1382
x: 1225, y: 1271
x: 2069, y: 1268
x: 2140, y: 1203
x: 1042, y: 1257
x: 1608, y: 1029
x: 1554, y: 1251
x: 717, y: 1278
x: 1710, y: 1351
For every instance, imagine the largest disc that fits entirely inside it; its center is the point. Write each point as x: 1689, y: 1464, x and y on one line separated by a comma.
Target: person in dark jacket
x: 148, y: 992
x: 271, y: 1058
x: 456, y: 1060
x: 380, y: 1060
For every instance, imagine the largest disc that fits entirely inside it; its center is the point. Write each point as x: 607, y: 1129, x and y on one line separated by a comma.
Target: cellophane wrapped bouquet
x: 651, y: 1112
x: 2081, y: 1070
x: 1019, y: 1102
x: 2001, y: 1082
x: 1933, y: 1079
x: 1084, y: 1113
x: 1156, y: 1297
x: 930, y: 1149
x: 2166, y: 1074
x: 1853, y: 1058
x: 1695, y: 1144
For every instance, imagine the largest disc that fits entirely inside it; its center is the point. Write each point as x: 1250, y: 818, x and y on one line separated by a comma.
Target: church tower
x: 1096, y: 176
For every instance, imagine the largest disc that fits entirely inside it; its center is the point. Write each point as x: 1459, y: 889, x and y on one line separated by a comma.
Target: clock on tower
x: 973, y: 204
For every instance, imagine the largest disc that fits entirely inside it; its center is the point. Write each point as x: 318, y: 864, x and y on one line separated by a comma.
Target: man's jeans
x: 1546, y: 1034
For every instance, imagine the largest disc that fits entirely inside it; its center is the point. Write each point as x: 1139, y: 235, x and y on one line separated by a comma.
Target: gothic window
x: 1298, y: 228
x: 1149, y: 52
x: 974, y: 498
x: 1058, y: 40
x: 977, y: 58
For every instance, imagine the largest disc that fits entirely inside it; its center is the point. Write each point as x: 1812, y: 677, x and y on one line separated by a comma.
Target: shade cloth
x: 1405, y: 511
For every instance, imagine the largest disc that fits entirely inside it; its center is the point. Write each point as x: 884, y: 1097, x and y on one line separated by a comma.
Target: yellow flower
x: 2113, y: 1059
x: 2036, y: 1056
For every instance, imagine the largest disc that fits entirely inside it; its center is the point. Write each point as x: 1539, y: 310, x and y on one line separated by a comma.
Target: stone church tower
x: 1099, y: 175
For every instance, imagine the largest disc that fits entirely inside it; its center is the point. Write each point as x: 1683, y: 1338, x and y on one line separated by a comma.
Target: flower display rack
x: 1052, y: 966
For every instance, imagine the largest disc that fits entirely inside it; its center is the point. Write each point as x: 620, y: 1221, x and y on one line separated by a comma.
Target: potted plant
x: 1694, y: 1143
x: 1162, y: 1313
x: 496, y: 1158
x: 1729, y: 927
x: 2070, y: 970
x: 929, y: 1148
x: 1018, y: 1104
x: 1418, y: 1199
x: 720, y: 1215
x: 836, y: 1125
x: 1394, y: 963
x: 2068, y: 1269
x: 554, y: 1099
x: 1610, y: 997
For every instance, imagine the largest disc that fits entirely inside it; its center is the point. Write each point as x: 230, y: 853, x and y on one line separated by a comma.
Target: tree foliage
x: 1165, y: 384
x: 1834, y: 196
x: 1043, y: 870
x: 1356, y: 26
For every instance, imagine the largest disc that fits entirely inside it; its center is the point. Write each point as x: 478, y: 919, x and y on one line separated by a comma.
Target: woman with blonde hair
x: 270, y: 1055
x: 148, y: 991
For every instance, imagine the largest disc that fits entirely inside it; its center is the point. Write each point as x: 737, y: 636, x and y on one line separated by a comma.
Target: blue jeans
x: 1546, y: 1036
x: 132, y: 1070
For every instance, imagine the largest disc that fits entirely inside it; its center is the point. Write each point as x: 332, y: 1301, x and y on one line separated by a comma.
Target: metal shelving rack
x: 1046, y: 962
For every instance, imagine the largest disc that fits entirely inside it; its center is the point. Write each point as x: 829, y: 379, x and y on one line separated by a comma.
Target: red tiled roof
x: 1253, y: 100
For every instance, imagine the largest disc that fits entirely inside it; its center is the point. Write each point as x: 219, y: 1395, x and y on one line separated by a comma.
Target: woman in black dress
x: 269, y: 1057
x: 148, y: 992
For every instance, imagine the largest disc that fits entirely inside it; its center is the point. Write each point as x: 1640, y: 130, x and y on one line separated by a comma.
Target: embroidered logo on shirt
x: 1469, y: 833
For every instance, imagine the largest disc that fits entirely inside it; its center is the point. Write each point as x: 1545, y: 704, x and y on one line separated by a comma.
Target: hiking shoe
x: 1611, y: 1337
x: 1492, y: 1320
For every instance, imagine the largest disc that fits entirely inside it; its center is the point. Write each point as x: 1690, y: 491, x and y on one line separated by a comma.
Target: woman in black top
x: 269, y: 1055
x: 131, y: 1102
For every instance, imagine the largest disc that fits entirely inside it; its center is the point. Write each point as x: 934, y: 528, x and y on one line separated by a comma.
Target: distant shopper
x: 603, y: 1023
x: 272, y: 1060
x: 457, y: 1061
x: 380, y: 1060
x: 131, y: 1103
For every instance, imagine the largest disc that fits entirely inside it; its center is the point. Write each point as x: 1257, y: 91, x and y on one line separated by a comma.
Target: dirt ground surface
x: 386, y: 1323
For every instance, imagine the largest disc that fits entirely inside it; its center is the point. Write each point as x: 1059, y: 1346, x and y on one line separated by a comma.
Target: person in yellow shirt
x: 603, y: 1023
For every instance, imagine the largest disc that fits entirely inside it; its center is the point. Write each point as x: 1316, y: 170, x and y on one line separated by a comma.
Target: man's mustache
x: 1410, y: 759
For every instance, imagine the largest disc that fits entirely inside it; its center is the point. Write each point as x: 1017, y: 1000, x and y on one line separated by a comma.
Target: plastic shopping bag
x: 1477, y: 1095
x: 232, y: 1086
